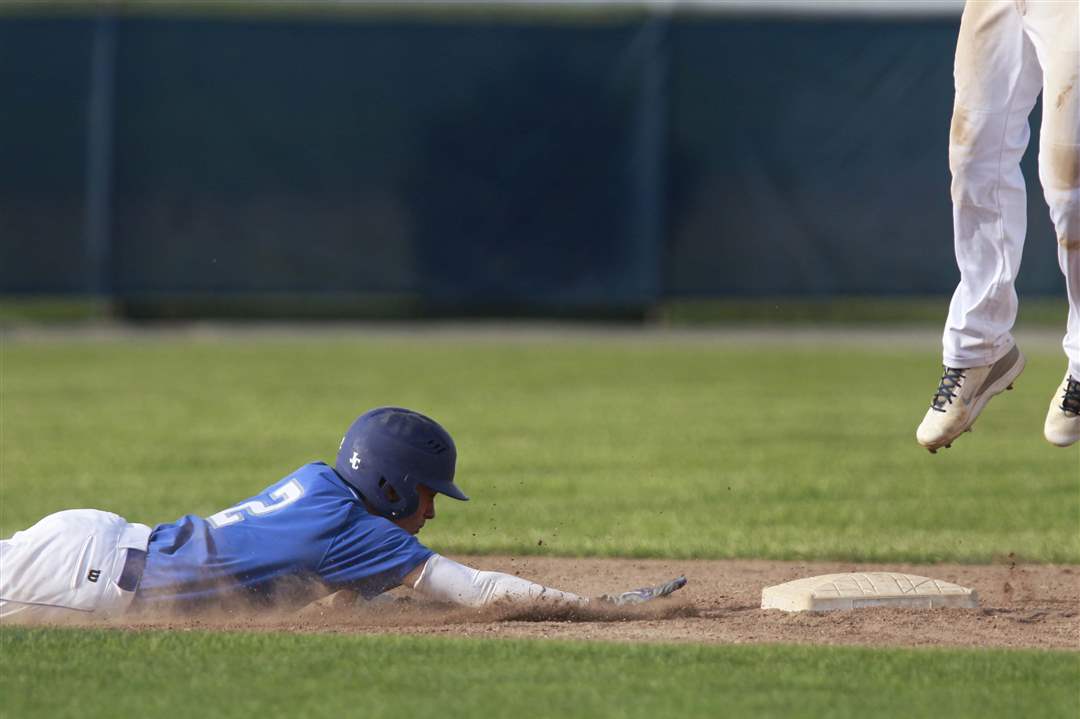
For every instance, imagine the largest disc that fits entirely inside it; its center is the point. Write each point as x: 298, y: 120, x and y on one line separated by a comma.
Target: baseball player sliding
x: 1007, y: 53
x: 351, y: 526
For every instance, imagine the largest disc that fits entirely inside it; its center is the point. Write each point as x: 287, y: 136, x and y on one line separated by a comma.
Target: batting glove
x: 645, y: 594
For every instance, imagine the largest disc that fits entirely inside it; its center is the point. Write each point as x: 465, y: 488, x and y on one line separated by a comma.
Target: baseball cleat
x: 961, y: 395
x: 1063, y: 419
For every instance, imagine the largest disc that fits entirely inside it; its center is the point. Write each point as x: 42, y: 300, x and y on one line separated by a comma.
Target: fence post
x: 650, y: 154
x: 97, y: 222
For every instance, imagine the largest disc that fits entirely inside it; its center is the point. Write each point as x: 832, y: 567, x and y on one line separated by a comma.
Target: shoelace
x: 946, y: 391
x: 1070, y: 401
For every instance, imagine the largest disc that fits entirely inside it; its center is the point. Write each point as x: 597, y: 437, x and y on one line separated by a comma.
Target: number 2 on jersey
x: 284, y: 495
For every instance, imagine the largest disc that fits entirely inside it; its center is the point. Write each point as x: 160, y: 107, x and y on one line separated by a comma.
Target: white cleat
x: 1063, y: 419
x: 961, y: 396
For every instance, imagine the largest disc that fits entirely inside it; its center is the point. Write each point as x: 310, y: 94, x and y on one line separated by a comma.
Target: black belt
x: 133, y: 570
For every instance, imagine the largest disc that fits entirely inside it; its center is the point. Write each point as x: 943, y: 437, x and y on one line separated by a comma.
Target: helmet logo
x: 354, y: 461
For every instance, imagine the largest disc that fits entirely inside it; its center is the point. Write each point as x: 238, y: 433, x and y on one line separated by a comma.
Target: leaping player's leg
x: 997, y: 82
x: 1054, y: 29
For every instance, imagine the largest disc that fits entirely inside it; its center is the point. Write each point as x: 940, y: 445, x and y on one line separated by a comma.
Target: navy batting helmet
x: 388, y: 451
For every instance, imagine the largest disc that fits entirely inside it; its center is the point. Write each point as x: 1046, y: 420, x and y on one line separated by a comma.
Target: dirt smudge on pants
x: 1070, y: 244
x: 1063, y: 166
x: 961, y: 130
x: 1062, y: 95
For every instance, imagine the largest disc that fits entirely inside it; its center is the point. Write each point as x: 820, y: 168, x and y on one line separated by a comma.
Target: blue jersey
x: 310, y: 525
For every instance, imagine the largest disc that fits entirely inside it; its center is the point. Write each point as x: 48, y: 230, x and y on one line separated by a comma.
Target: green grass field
x: 596, y: 447
x: 617, y: 447
x: 111, y: 674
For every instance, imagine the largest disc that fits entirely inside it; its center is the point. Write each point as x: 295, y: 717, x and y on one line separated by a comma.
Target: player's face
x: 425, y: 511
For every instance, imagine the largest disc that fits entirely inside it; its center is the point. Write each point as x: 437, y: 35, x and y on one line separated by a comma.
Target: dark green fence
x: 583, y: 162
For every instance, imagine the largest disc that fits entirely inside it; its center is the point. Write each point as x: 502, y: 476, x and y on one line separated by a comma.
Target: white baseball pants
x: 67, y: 566
x: 1007, y: 53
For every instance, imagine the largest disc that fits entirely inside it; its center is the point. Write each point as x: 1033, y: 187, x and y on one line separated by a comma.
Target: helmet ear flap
x: 394, y: 498
x: 387, y: 490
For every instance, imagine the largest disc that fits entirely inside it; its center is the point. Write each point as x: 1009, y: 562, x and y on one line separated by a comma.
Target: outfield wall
x: 599, y: 157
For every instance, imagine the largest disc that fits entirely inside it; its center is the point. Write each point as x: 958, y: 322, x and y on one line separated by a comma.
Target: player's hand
x: 645, y: 594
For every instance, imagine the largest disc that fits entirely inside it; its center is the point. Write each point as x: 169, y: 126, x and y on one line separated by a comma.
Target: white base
x: 856, y: 590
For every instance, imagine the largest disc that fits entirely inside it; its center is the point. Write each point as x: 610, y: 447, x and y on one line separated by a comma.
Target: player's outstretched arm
x: 445, y: 580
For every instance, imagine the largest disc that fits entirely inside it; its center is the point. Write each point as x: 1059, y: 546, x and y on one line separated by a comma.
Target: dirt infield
x: 1035, y: 606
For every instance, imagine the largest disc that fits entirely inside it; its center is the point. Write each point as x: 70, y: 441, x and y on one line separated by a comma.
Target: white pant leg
x: 997, y: 82
x: 1054, y: 29
x: 67, y: 566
